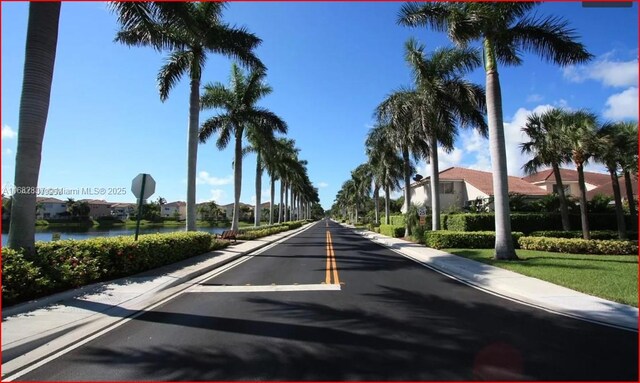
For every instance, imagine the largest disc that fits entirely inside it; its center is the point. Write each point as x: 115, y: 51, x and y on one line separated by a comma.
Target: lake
x: 45, y: 234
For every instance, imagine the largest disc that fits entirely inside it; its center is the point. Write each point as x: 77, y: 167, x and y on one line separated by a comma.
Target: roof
x: 483, y: 181
x: 607, y: 189
x: 96, y: 202
x: 592, y: 178
x: 176, y: 203
x: 49, y: 200
x: 123, y: 204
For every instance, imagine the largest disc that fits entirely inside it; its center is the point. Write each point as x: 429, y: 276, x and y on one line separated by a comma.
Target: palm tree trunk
x: 237, y: 179
x: 192, y: 151
x: 630, y: 199
x: 583, y: 203
x: 617, y: 198
x: 376, y: 197
x: 40, y: 56
x: 435, y: 184
x: 386, y: 205
x: 257, y: 212
x: 407, y: 188
x: 564, y: 212
x: 272, y: 200
x: 281, y: 205
x: 504, y: 248
x: 287, y: 214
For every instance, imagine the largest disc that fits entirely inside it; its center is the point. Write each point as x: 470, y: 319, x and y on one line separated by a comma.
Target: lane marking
x: 263, y: 288
x: 332, y: 267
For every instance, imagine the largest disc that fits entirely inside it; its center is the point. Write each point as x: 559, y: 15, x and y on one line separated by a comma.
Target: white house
x: 460, y: 186
x: 50, y: 208
x: 123, y: 210
x: 546, y: 180
x: 169, y: 210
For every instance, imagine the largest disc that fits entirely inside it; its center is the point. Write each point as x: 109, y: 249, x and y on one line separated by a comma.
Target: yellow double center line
x: 332, y: 268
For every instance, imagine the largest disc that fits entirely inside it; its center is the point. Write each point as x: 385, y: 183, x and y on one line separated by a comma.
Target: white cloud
x: 219, y: 196
x: 445, y: 160
x: 322, y: 185
x: 622, y: 105
x: 8, y: 151
x: 8, y: 132
x: 205, y: 178
x: 609, y: 72
x: 535, y: 98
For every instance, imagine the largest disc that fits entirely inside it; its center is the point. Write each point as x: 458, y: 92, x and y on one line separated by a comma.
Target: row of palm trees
x: 188, y: 32
x: 558, y: 137
x: 415, y: 121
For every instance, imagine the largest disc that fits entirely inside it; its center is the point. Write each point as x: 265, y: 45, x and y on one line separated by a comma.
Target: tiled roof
x: 607, y: 189
x: 483, y: 181
x: 592, y: 178
x: 49, y: 200
x: 176, y: 203
x: 96, y: 202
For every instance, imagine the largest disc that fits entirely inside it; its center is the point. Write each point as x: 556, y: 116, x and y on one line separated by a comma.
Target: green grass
x: 611, y: 277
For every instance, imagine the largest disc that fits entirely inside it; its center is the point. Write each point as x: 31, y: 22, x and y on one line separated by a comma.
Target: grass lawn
x: 612, y: 277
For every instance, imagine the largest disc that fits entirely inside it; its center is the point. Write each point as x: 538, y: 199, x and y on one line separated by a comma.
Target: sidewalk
x: 528, y: 290
x: 35, y: 330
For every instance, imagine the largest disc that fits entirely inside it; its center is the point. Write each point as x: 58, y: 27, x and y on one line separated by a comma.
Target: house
x: 50, y: 208
x: 459, y: 187
x: 228, y: 211
x: 123, y: 210
x: 98, y: 208
x: 607, y: 189
x: 546, y: 180
x: 174, y: 209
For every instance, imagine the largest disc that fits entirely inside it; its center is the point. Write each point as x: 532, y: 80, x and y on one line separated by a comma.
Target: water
x: 45, y: 234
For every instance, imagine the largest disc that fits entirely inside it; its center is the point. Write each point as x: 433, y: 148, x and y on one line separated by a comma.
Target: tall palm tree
x: 627, y: 141
x: 40, y: 56
x: 608, y: 151
x: 579, y: 131
x: 189, y: 31
x: 398, y: 112
x: 386, y: 164
x: 282, y: 150
x: 240, y: 116
x: 362, y: 178
x: 444, y: 100
x: 546, y: 146
x: 506, y: 31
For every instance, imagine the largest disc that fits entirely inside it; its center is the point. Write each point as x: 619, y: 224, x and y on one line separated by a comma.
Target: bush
x: 397, y: 220
x: 392, y: 231
x: 263, y: 231
x: 470, y: 222
x: 443, y: 239
x: 579, y: 246
x: 595, y: 234
x: 68, y: 264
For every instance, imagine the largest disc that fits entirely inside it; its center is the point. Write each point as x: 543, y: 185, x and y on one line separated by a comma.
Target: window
x: 446, y: 187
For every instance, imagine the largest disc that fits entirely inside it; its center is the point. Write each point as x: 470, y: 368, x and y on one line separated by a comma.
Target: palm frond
x: 235, y: 43
x: 216, y: 124
x: 170, y: 73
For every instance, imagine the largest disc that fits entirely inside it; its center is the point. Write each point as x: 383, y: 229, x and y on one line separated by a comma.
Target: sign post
x: 422, y: 212
x: 142, y: 186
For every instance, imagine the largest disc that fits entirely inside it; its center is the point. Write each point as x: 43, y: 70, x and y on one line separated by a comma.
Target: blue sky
x: 329, y: 64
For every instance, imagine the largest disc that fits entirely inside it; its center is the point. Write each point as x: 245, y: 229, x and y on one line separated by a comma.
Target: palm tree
x: 282, y: 150
x: 362, y: 178
x: 189, y: 30
x: 398, y: 112
x: 385, y: 162
x: 609, y: 153
x: 547, y: 149
x: 506, y: 31
x: 627, y: 141
x: 40, y: 55
x: 241, y: 116
x: 579, y: 131
x: 444, y: 100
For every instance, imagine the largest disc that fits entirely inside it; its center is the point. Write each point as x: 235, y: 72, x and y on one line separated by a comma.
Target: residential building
x: 460, y: 187
x: 98, y: 208
x: 607, y: 189
x: 123, y: 210
x: 47, y: 207
x: 174, y: 209
x: 546, y: 180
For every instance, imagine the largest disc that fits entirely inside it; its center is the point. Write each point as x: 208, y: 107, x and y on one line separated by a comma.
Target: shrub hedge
x: 61, y: 265
x: 579, y: 246
x: 263, y: 231
x: 396, y: 220
x: 595, y: 234
x: 442, y: 239
x: 392, y: 231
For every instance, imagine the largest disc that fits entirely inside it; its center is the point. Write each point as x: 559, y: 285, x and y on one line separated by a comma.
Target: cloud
x: 8, y: 132
x: 609, y: 72
x: 445, y: 160
x: 206, y: 179
x: 219, y: 196
x: 535, y: 98
x: 321, y: 185
x: 622, y: 105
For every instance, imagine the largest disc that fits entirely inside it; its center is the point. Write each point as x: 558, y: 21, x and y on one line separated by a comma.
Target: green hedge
x: 263, y: 231
x: 61, y: 265
x: 392, y: 231
x: 443, y: 239
x: 579, y: 246
x: 396, y: 220
x: 595, y: 234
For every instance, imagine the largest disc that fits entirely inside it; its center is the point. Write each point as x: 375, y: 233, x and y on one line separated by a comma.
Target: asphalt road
x: 297, y: 312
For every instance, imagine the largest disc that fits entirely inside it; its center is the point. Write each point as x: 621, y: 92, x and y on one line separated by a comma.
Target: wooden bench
x: 229, y: 234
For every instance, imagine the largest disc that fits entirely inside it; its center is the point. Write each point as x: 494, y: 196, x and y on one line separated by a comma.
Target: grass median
x: 611, y: 277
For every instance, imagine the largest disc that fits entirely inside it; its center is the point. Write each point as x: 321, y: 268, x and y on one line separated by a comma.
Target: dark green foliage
x: 443, y: 239
x: 392, y: 231
x: 579, y: 246
x: 470, y: 222
x: 595, y: 234
x: 263, y: 231
x: 397, y: 220
x: 61, y: 265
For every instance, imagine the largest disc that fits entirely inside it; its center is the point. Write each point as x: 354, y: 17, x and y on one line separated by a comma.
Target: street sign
x: 149, y: 186
x: 422, y: 212
x: 423, y: 220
